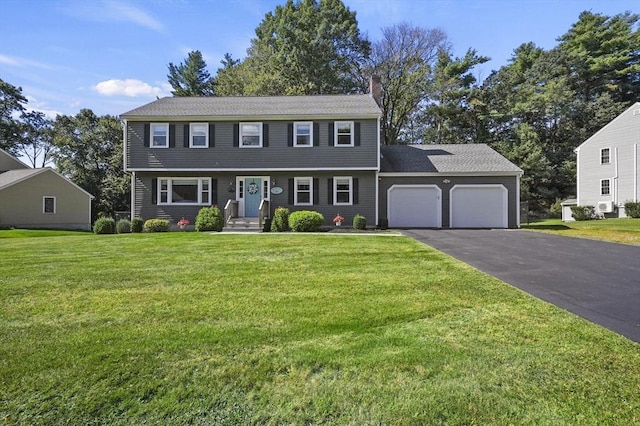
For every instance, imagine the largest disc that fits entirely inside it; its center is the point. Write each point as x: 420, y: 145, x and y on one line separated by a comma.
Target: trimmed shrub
x: 280, y: 222
x: 104, y: 225
x: 359, y: 222
x: 137, y: 224
x: 305, y: 221
x: 632, y: 209
x: 156, y: 225
x: 556, y: 208
x: 580, y: 213
x: 209, y: 219
x: 123, y: 226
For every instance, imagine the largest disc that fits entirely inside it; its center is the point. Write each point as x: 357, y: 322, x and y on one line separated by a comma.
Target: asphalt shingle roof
x: 445, y: 158
x: 259, y: 106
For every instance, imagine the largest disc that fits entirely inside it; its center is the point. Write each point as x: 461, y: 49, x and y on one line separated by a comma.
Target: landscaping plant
x: 104, y: 225
x: 209, y: 219
x: 359, y: 222
x: 305, y: 221
x: 280, y: 222
x: 123, y: 226
x: 137, y: 224
x: 156, y: 225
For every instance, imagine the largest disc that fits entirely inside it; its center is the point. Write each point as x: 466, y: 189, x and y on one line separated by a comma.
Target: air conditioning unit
x: 605, y: 206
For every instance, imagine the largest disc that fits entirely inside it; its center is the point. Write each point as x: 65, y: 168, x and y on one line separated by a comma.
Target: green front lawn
x: 188, y: 328
x: 624, y: 230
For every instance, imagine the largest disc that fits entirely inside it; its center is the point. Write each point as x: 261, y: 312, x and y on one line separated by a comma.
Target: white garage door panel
x: 479, y: 206
x: 416, y: 206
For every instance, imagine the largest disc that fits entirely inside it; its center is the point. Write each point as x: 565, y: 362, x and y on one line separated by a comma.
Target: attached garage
x: 414, y: 206
x: 479, y: 206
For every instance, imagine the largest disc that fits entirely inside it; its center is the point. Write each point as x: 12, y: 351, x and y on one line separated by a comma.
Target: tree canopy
x: 191, y: 78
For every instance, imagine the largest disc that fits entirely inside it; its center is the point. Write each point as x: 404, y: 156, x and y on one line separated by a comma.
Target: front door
x: 252, y: 196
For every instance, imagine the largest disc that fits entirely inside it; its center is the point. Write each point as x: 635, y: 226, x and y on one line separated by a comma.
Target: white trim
x: 351, y: 133
x: 261, y: 169
x: 296, y: 180
x: 125, y: 145
x: 170, y: 180
x: 240, y: 195
x: 295, y: 133
x: 250, y: 123
x: 608, y: 148
x: 505, y: 200
x: 151, y: 145
x: 36, y: 172
x: 517, y: 202
x: 444, y: 174
x: 335, y: 190
x: 133, y: 194
x: 44, y: 204
x: 610, y: 194
x: 239, y: 118
x: 631, y: 108
x: 423, y: 186
x: 206, y: 135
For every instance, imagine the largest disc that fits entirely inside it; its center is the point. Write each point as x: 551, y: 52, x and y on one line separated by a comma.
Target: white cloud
x: 111, y: 11
x: 127, y: 12
x: 22, y: 62
x: 129, y: 87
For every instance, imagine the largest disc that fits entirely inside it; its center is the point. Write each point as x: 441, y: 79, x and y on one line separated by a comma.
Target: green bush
x: 632, y: 209
x: 359, y: 222
x: 280, y: 222
x: 137, y: 225
x: 209, y: 219
x: 580, y: 213
x: 156, y: 225
x: 556, y: 208
x: 104, y: 225
x: 305, y: 221
x: 123, y: 226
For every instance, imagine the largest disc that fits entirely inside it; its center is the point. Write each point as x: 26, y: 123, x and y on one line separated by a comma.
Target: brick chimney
x: 375, y: 89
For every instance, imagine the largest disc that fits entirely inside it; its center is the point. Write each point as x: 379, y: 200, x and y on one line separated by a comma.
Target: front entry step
x: 243, y: 224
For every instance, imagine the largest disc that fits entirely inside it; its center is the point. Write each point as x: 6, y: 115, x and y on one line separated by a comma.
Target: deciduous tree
x: 12, y: 104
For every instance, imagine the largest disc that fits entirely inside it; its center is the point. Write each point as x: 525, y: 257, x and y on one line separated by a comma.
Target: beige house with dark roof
x: 40, y: 198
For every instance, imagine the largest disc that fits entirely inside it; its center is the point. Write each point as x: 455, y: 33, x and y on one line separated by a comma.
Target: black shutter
x: 212, y: 135
x: 290, y: 134
x: 355, y: 191
x: 356, y: 135
x: 291, y: 190
x: 316, y: 134
x: 154, y: 191
x: 331, y: 143
x: 214, y: 192
x: 330, y: 191
x: 185, y: 143
x: 236, y: 135
x: 172, y: 135
x: 265, y: 135
x: 316, y: 191
x: 147, y: 134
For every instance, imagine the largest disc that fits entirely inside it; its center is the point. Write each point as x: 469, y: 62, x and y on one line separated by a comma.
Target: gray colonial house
x: 250, y: 155
x: 608, y: 173
x: 40, y: 198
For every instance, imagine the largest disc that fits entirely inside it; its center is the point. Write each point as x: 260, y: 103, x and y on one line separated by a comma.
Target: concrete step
x: 243, y: 224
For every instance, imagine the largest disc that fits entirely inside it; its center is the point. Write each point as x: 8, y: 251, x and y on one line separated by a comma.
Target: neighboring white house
x: 608, y: 165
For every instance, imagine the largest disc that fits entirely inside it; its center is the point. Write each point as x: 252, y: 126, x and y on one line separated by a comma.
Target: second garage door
x: 479, y: 206
x: 414, y: 206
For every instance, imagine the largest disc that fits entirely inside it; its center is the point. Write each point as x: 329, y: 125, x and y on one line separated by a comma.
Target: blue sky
x: 111, y: 55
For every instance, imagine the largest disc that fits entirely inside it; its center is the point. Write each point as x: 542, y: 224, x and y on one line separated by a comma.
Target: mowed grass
x: 621, y: 230
x: 188, y: 328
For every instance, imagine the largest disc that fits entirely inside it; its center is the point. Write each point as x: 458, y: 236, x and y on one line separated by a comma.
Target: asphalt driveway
x: 597, y: 280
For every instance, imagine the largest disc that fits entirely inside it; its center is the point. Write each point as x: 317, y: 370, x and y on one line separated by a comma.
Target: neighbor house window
x: 343, y: 190
x: 605, y: 187
x: 344, y: 133
x: 303, y: 191
x: 199, y: 135
x: 184, y: 191
x: 49, y: 205
x: 303, y: 134
x: 251, y: 135
x: 159, y: 135
x: 605, y: 156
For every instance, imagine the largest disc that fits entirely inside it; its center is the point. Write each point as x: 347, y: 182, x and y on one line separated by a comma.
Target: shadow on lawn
x: 550, y: 227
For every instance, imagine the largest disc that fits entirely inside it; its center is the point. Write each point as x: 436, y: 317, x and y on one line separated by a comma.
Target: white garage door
x: 414, y: 206
x: 479, y: 206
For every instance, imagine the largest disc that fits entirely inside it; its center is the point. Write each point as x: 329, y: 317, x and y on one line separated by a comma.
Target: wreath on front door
x: 252, y: 188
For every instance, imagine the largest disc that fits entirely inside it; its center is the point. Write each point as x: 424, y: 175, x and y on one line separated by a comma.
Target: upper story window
x: 49, y: 205
x: 251, y: 135
x: 184, y: 191
x: 343, y: 191
x: 303, y: 191
x: 344, y: 134
x: 605, y: 156
x: 199, y: 135
x: 303, y: 134
x: 605, y: 187
x: 159, y: 135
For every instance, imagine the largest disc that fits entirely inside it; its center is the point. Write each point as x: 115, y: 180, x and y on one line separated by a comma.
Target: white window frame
x: 169, y: 191
x: 206, y: 135
x: 335, y: 190
x: 602, y: 181
x: 44, y: 204
x: 608, y: 155
x: 152, y: 128
x: 296, y: 182
x: 336, y: 125
x: 295, y: 133
x: 241, y: 133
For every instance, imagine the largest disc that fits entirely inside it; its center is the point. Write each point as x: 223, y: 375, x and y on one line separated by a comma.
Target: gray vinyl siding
x: 622, y: 137
x: 144, y: 207
x: 277, y: 155
x: 509, y: 182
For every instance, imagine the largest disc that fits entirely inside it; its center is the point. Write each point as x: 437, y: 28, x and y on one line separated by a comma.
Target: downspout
x: 577, y: 151
x: 615, y: 177
x: 378, y: 178
x: 635, y: 171
x: 518, y: 200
